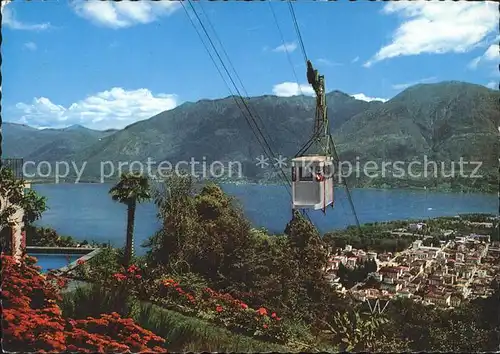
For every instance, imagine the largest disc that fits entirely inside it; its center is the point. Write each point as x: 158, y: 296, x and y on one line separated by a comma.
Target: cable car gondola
x: 313, y: 174
x: 312, y: 182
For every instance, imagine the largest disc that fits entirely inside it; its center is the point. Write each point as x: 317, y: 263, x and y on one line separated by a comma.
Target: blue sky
x: 106, y: 65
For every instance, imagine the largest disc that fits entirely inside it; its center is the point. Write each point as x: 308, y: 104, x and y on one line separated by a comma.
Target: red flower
x: 119, y: 276
x: 80, y: 261
x: 168, y: 282
x: 265, y: 326
x: 262, y: 311
x: 32, y: 319
x: 244, y: 306
x: 138, y: 276
x: 219, y: 308
x: 273, y: 315
x: 132, y: 269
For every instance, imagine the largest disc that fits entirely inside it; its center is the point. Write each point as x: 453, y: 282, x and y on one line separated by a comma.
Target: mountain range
x: 445, y: 121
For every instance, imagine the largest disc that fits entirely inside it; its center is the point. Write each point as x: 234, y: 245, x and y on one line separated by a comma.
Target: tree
x: 371, y: 266
x: 12, y: 196
x: 132, y: 188
x: 47, y: 237
x: 12, y: 192
x: 308, y: 251
x: 180, y: 237
x: 227, y: 236
x: 203, y: 230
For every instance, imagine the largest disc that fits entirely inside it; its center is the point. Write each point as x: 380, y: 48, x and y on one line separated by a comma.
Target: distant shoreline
x: 265, y: 183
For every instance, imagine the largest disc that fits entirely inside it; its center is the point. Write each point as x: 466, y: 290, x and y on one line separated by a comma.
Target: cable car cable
x: 348, y: 192
x: 240, y: 96
x: 310, y: 142
x: 285, y: 47
x: 297, y: 29
x: 228, y: 74
x: 271, y: 153
x: 222, y: 76
x: 230, y: 63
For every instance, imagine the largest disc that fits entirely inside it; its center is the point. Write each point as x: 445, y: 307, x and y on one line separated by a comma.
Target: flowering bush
x: 111, y: 332
x: 135, y: 284
x: 32, y: 320
x: 224, y: 310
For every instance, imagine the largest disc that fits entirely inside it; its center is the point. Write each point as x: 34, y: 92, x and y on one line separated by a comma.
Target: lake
x: 86, y: 211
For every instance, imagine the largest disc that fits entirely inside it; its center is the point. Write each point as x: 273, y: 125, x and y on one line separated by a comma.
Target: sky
x: 108, y: 64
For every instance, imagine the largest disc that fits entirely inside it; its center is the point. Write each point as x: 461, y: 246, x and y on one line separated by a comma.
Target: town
x: 459, y: 267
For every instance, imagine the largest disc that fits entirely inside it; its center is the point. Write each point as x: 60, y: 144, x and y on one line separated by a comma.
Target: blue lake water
x: 54, y: 261
x: 86, y: 211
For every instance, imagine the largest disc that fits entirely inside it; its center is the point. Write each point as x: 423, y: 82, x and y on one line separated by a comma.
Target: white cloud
x: 3, y: 4
x: 115, y: 108
x: 474, y: 63
x: 363, y: 97
x: 438, y: 27
x: 327, y: 62
x: 288, y: 89
x: 30, y: 45
x: 287, y: 47
x: 408, y: 84
x: 491, y: 54
x: 124, y: 13
x: 355, y: 60
x: 492, y: 85
x: 9, y: 20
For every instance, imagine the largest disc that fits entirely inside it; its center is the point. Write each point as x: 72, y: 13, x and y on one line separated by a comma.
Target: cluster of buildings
x: 348, y: 257
x: 445, y: 275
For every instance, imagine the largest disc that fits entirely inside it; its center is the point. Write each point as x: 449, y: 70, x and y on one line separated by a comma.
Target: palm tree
x: 132, y: 188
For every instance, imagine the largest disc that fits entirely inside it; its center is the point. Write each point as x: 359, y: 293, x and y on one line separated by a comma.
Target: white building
x: 372, y: 256
x: 351, y: 262
x: 416, y: 227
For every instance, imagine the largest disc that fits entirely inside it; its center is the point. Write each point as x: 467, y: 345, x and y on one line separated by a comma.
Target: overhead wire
x: 271, y: 153
x: 230, y: 62
x: 348, y: 192
x: 309, y: 143
x: 266, y: 143
x: 220, y: 73
x: 311, y: 140
x: 285, y: 47
x: 297, y: 29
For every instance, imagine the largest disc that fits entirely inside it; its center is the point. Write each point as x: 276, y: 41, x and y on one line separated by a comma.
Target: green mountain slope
x: 47, y: 144
x: 217, y: 130
x: 444, y: 121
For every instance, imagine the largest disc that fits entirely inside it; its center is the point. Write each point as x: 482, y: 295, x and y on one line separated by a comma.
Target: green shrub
x: 190, y: 334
